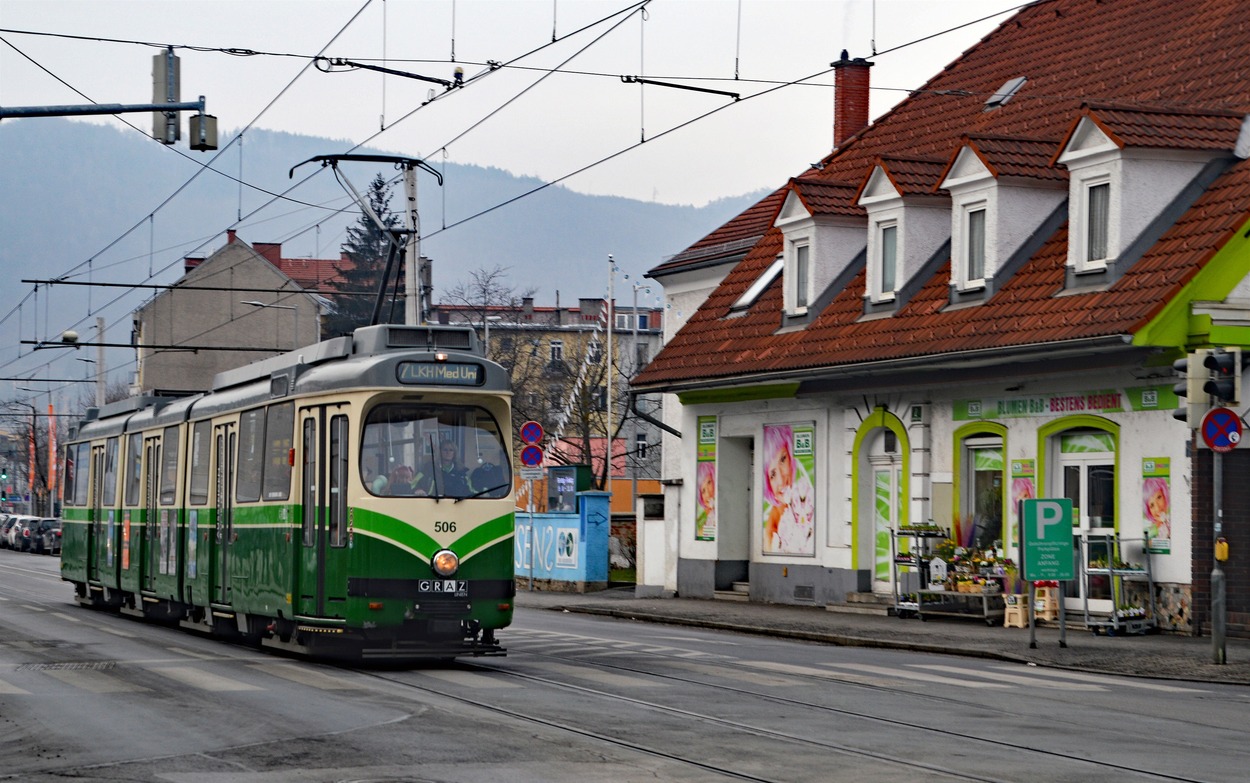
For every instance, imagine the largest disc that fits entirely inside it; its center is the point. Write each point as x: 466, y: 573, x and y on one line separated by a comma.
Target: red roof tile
x: 1153, y: 77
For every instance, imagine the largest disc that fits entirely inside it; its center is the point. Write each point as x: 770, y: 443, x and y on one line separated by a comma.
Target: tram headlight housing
x: 445, y: 562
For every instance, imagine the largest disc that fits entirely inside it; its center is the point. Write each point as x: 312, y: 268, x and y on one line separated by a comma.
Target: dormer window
x: 1002, y: 190
x: 822, y: 235
x: 802, y: 276
x: 974, y: 247
x: 1098, y: 220
x: 886, y: 259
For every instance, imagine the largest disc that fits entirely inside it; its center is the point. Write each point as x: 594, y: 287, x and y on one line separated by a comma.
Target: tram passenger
x: 452, y: 477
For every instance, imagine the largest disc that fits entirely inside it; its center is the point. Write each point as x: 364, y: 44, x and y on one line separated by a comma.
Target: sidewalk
x: 1148, y: 655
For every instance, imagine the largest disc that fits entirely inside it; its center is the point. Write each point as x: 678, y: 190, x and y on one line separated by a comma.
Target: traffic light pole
x: 1218, y: 607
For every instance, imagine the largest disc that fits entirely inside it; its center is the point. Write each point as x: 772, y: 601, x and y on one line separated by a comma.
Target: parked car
x: 6, y: 522
x: 22, y: 534
x: 46, y: 538
x: 7, y: 531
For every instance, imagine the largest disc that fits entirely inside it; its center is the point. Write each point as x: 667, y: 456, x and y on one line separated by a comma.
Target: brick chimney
x: 850, y: 98
x: 231, y: 235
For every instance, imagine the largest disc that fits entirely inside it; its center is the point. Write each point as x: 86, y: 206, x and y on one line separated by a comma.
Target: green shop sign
x: 1140, y: 398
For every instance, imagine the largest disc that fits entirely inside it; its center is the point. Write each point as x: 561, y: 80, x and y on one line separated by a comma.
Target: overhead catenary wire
x: 565, y: 177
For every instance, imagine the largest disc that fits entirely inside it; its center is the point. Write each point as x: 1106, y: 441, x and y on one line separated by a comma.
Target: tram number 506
x: 444, y: 527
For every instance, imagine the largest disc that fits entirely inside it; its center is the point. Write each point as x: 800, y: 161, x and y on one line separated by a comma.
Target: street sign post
x: 1047, y: 551
x: 531, y: 433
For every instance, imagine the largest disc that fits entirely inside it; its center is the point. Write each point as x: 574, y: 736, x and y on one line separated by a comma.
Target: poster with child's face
x: 789, y: 495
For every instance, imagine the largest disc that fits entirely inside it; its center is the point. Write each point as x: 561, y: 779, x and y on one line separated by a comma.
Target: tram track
x: 1097, y: 767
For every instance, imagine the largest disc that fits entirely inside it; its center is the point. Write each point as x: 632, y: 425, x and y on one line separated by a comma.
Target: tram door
x: 322, y: 587
x: 224, y: 444
x: 94, y: 525
x: 151, y: 521
x: 104, y: 511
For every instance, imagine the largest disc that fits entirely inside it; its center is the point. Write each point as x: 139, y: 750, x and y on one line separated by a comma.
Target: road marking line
x: 193, y: 654
x: 203, y: 680
x: 1030, y: 681
x: 66, y: 617
x: 96, y: 682
x: 306, y: 676
x: 896, y: 673
x: 1105, y: 679
x: 755, y: 678
x: 808, y: 671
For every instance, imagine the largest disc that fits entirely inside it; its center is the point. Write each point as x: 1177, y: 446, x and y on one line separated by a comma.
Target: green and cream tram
x: 350, y: 499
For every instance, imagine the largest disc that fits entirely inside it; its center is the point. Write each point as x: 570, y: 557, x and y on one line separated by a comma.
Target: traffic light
x: 4, y: 473
x: 1193, y: 399
x: 1225, y: 379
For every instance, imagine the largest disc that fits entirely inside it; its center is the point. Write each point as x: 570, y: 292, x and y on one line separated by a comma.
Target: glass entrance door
x: 1087, y: 473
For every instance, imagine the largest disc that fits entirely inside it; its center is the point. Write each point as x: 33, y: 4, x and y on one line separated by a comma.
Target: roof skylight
x: 1005, y: 93
x: 757, y: 288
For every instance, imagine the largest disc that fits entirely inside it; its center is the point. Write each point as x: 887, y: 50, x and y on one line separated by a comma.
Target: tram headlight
x: 445, y: 562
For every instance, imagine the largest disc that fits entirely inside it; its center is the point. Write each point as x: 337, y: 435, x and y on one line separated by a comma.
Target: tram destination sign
x: 440, y: 374
x: 1046, y: 528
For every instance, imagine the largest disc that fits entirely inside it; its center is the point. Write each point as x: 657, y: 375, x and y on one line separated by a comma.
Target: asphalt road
x: 87, y: 696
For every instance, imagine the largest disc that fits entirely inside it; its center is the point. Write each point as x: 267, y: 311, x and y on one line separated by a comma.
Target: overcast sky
x: 581, y: 125
x: 562, y: 124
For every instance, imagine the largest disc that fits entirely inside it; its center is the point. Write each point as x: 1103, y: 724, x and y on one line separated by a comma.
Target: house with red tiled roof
x: 975, y: 301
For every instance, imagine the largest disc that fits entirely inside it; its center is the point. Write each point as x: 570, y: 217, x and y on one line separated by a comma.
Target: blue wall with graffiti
x: 565, y: 547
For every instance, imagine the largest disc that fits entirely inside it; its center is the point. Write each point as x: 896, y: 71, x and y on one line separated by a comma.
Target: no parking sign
x: 1221, y: 429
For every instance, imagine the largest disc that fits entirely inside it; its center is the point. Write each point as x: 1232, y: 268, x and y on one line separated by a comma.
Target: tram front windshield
x: 438, y: 451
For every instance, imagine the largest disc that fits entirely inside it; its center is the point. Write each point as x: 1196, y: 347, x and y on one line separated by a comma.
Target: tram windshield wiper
x: 481, y: 492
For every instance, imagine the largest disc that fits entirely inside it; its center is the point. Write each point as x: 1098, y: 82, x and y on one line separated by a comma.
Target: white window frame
x: 967, y: 279
x: 1083, y: 182
x: 1086, y: 258
x: 802, y: 266
x: 882, y: 294
x: 557, y: 350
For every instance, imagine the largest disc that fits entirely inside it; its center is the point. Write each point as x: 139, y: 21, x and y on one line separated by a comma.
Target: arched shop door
x: 879, y: 504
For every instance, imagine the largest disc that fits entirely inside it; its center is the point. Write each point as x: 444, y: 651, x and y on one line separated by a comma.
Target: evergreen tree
x: 360, y: 274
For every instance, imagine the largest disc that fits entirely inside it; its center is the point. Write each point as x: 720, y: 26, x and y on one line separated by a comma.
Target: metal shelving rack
x: 943, y: 603
x: 1114, y: 547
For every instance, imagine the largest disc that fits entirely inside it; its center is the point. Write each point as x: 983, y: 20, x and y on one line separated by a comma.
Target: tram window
x: 338, y: 481
x: 251, y: 456
x: 67, y: 492
x: 201, y: 448
x: 169, y: 466
x: 81, y: 474
x: 433, y: 450
x: 134, y: 459
x: 279, y: 437
x: 109, y: 495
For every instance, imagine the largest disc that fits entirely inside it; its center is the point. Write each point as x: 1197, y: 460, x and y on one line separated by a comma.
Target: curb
x: 877, y: 643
